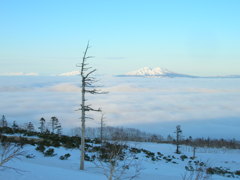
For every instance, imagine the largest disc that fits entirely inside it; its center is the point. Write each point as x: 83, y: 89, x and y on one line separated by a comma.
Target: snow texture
x: 48, y: 168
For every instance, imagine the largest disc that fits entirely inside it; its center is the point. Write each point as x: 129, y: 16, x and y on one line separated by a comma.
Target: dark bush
x: 190, y: 168
x: 220, y: 171
x: 30, y: 156
x: 109, y: 151
x: 49, y: 152
x: 135, y: 150
x: 237, y: 172
x: 167, y: 158
x: 183, y: 157
x: 96, y: 141
x: 65, y: 156
x: 149, y: 154
x: 40, y: 147
x: 88, y: 158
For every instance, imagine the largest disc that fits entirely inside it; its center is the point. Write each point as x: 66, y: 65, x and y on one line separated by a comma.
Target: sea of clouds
x: 202, y: 106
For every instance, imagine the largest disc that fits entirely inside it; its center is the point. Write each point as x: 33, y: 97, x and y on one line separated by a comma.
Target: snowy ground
x: 44, y: 168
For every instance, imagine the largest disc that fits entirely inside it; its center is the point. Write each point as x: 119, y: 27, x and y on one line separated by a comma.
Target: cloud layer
x: 19, y: 74
x: 151, y: 104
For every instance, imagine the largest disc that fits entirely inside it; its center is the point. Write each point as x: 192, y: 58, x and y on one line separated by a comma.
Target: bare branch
x: 88, y: 108
x: 89, y: 57
x: 8, y: 152
x: 90, y: 73
x: 89, y: 118
x: 115, y: 159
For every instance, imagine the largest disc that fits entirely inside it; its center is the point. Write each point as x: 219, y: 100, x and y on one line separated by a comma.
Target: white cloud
x: 149, y: 104
x: 72, y: 73
x: 19, y: 74
x: 63, y: 87
x: 125, y: 88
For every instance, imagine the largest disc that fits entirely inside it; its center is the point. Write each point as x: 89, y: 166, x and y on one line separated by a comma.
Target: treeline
x: 132, y: 134
x: 216, y: 143
x: 53, y: 126
x: 48, y: 134
x: 119, y: 133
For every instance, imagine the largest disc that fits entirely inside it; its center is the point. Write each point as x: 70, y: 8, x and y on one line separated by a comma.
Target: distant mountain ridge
x: 154, y: 72
x: 146, y: 71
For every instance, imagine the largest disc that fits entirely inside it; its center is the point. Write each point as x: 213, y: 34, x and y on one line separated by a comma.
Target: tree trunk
x: 87, y: 83
x: 194, y: 152
x: 101, y: 130
x: 83, y: 128
x: 112, y: 169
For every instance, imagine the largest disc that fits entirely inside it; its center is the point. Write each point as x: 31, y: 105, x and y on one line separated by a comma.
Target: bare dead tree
x: 196, y: 173
x: 117, y: 162
x: 194, y: 152
x: 178, y: 138
x: 87, y: 83
x: 8, y: 152
x: 101, y: 128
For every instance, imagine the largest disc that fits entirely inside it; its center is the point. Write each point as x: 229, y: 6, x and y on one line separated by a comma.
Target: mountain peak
x: 147, y: 71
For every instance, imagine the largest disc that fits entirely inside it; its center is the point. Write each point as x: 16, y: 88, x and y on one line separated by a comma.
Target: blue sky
x: 199, y: 37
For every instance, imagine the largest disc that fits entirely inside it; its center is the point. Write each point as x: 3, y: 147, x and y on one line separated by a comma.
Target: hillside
x: 55, y: 157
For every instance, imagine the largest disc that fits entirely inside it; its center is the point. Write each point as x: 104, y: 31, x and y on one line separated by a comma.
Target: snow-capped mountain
x: 152, y: 72
x: 146, y: 71
x: 155, y: 72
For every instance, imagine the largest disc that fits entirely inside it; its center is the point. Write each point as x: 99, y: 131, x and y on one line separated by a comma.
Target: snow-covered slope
x: 154, y: 72
x: 169, y: 168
